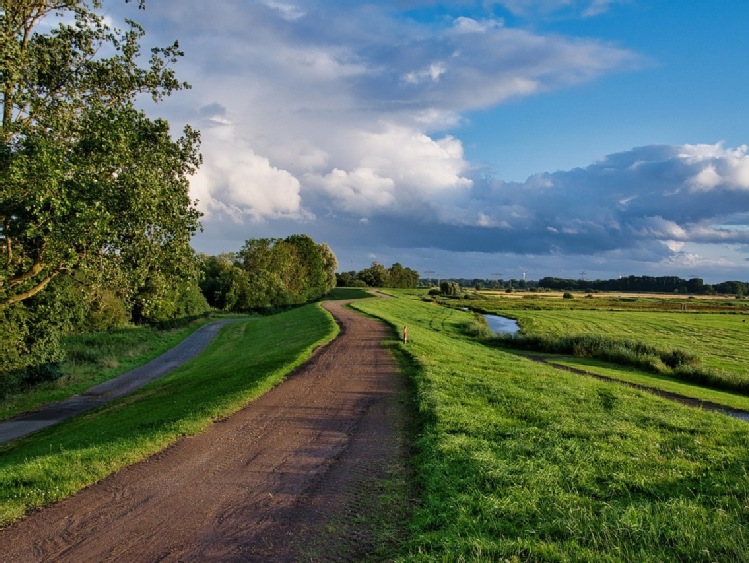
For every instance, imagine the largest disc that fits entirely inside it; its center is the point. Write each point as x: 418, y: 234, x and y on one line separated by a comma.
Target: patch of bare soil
x: 262, y: 485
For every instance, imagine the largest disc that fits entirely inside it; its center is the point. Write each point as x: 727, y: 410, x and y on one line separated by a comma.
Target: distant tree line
x: 649, y: 284
x: 643, y: 284
x: 268, y: 273
x: 396, y: 276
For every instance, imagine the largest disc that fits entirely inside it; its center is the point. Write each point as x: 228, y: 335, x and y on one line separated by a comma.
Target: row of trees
x: 644, y: 284
x: 396, y: 276
x: 650, y: 284
x: 269, y: 272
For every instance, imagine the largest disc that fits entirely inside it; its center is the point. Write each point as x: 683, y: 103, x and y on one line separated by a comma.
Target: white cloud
x: 237, y: 182
x: 290, y: 12
x: 395, y: 169
x: 470, y: 25
x: 431, y: 73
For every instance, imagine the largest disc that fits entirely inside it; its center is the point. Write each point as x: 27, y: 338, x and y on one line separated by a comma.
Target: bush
x: 624, y: 352
x: 450, y: 288
x: 477, y: 327
x: 567, y: 295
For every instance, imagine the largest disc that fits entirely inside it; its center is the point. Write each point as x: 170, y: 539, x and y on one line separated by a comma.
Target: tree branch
x: 31, y: 292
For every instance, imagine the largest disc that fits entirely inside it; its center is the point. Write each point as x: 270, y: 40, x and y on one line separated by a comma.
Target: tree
x: 450, y: 288
x: 280, y: 272
x: 374, y: 276
x: 400, y: 277
x: 88, y: 183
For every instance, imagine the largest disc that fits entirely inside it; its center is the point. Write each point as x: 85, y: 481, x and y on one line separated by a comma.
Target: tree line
x: 648, y: 284
x: 377, y: 275
x: 642, y: 284
x: 268, y: 273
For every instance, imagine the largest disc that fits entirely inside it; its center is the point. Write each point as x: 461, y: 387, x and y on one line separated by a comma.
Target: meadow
x: 512, y: 459
x: 518, y: 461
x: 698, y: 341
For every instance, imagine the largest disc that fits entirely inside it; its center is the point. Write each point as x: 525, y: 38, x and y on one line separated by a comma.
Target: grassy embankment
x: 244, y: 361
x: 518, y: 460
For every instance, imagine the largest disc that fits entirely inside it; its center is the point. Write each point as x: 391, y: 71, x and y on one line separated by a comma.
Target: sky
x: 475, y: 139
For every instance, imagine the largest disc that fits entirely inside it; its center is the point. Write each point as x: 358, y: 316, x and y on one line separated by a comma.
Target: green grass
x: 340, y: 293
x: 518, y: 461
x: 695, y: 345
x: 244, y: 361
x: 712, y: 336
x: 95, y: 358
x: 661, y: 382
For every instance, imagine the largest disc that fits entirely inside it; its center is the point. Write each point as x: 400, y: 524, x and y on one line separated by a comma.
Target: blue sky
x: 471, y: 137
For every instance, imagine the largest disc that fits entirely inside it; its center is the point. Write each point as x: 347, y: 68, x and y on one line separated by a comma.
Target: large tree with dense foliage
x: 87, y: 181
x: 94, y: 204
x: 396, y: 276
x: 269, y: 272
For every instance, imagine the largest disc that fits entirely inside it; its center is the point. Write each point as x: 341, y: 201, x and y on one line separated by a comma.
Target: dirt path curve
x: 258, y: 486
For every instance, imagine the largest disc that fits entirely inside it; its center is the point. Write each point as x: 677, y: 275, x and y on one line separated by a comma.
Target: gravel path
x: 260, y: 485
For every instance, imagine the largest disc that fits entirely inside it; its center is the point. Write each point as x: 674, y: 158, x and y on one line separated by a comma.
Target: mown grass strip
x: 518, y: 461
x: 244, y: 361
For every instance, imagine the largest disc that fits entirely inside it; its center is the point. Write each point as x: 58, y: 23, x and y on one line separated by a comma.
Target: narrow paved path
x: 258, y: 486
x: 120, y: 386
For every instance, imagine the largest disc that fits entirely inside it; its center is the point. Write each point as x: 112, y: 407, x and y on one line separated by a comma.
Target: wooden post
x: 405, y: 335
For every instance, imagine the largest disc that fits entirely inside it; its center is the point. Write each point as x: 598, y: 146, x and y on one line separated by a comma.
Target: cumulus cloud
x: 236, y: 182
x: 396, y: 170
x: 627, y: 200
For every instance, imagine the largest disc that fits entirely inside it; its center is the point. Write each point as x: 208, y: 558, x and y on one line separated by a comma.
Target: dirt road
x: 258, y: 486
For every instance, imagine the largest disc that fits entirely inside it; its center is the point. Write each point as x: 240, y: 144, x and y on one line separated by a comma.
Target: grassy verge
x: 661, y: 382
x: 244, y: 361
x: 95, y: 358
x: 518, y: 461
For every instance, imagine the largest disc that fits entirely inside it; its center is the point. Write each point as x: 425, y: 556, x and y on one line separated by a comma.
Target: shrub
x: 567, y: 295
x: 450, y: 288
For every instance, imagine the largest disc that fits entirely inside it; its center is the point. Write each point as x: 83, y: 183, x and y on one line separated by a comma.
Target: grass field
x: 700, y: 342
x: 518, y: 461
x: 716, y: 338
x: 244, y: 361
